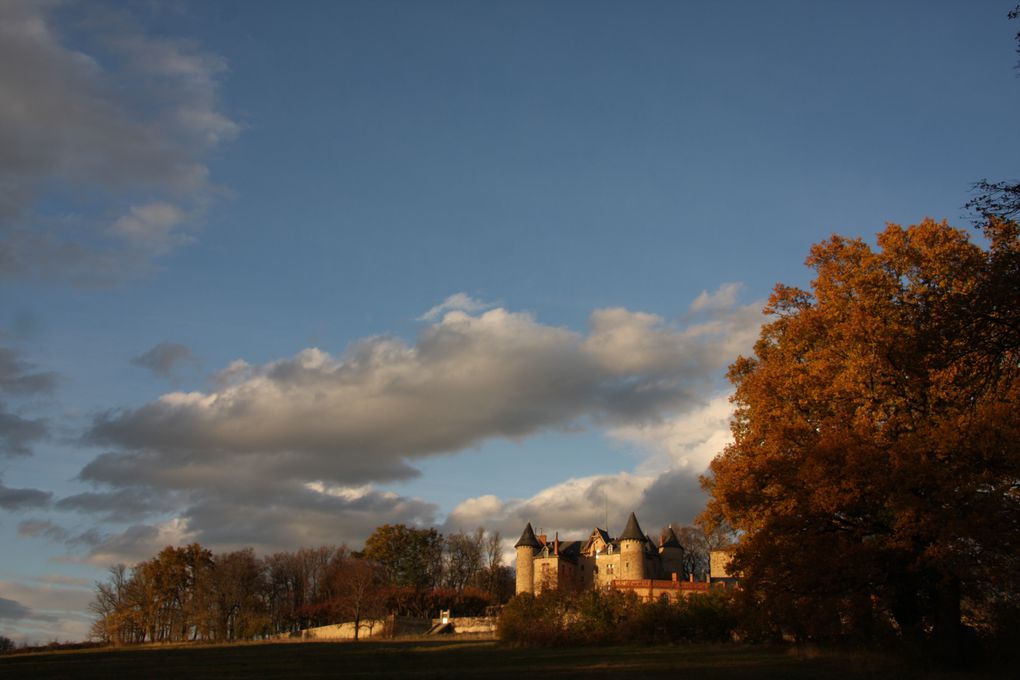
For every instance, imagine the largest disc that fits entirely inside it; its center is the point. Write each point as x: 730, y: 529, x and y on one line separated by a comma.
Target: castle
x: 631, y: 562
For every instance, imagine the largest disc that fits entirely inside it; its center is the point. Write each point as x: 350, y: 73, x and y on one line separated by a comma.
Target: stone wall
x: 345, y: 631
x: 391, y: 626
x: 719, y: 564
x: 653, y: 589
x: 471, y: 625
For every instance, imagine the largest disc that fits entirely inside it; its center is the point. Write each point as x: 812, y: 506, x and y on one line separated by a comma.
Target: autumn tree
x: 409, y: 557
x: 110, y: 608
x: 166, y: 588
x: 159, y: 600
x: 874, y: 474
x: 356, y: 591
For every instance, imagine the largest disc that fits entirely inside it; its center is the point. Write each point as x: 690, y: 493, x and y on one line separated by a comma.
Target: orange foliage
x: 875, y: 475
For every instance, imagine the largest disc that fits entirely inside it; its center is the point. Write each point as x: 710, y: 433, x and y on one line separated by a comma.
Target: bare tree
x: 357, y: 586
x: 464, y: 558
x: 997, y: 199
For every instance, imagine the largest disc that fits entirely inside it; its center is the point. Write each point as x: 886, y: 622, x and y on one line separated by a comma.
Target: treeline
x: 192, y: 594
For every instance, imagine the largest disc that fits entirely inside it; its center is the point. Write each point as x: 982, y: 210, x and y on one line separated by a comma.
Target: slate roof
x: 632, y: 532
x: 528, y: 538
x: 670, y: 539
x: 570, y: 551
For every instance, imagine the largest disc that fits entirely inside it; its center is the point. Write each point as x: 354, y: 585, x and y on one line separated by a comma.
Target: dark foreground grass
x: 444, y: 659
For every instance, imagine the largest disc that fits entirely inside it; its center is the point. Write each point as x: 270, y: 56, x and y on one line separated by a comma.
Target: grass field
x: 443, y: 659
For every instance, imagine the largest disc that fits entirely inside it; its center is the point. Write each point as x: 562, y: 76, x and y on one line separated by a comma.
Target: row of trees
x: 190, y: 593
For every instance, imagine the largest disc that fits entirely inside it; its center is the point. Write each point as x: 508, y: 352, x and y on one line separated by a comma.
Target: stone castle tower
x: 632, y: 550
x: 526, y: 547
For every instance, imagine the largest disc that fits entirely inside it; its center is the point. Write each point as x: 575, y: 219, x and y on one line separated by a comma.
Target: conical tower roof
x: 632, y: 532
x: 528, y: 539
x: 670, y: 539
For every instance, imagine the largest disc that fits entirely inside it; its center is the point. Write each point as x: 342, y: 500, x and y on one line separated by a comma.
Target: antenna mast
x: 605, y: 508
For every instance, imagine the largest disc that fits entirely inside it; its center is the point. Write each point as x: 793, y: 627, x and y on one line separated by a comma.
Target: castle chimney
x: 556, y: 545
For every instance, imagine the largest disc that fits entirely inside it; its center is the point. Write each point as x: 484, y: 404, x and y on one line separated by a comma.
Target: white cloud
x: 627, y: 342
x: 689, y: 440
x: 664, y: 488
x: 576, y: 506
x: 571, y: 507
x: 724, y: 297
x: 367, y: 415
x: 458, y: 302
x: 150, y: 227
x: 289, y: 453
x: 139, y: 542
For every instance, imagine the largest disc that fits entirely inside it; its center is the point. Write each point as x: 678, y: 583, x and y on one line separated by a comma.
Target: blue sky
x: 484, y: 263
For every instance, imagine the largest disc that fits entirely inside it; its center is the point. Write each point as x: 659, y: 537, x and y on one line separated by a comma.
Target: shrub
x: 600, y: 617
x: 712, y: 616
x: 532, y: 621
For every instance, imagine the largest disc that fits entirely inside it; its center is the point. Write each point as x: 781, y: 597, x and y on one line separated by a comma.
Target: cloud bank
x: 21, y: 499
x: 292, y: 452
x: 114, y: 131
x: 664, y: 488
x: 20, y: 380
x: 368, y: 414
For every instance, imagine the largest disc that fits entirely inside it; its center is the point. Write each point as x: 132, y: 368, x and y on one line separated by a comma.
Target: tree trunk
x: 948, y: 629
x: 907, y: 611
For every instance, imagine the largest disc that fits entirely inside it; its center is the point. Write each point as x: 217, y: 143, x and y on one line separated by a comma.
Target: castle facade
x: 632, y: 561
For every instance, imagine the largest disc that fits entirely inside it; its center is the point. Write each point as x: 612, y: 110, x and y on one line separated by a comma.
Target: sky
x: 272, y: 275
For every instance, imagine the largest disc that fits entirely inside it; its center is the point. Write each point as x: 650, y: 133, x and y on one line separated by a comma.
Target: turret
x: 632, y: 550
x: 526, y: 547
x: 671, y: 552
